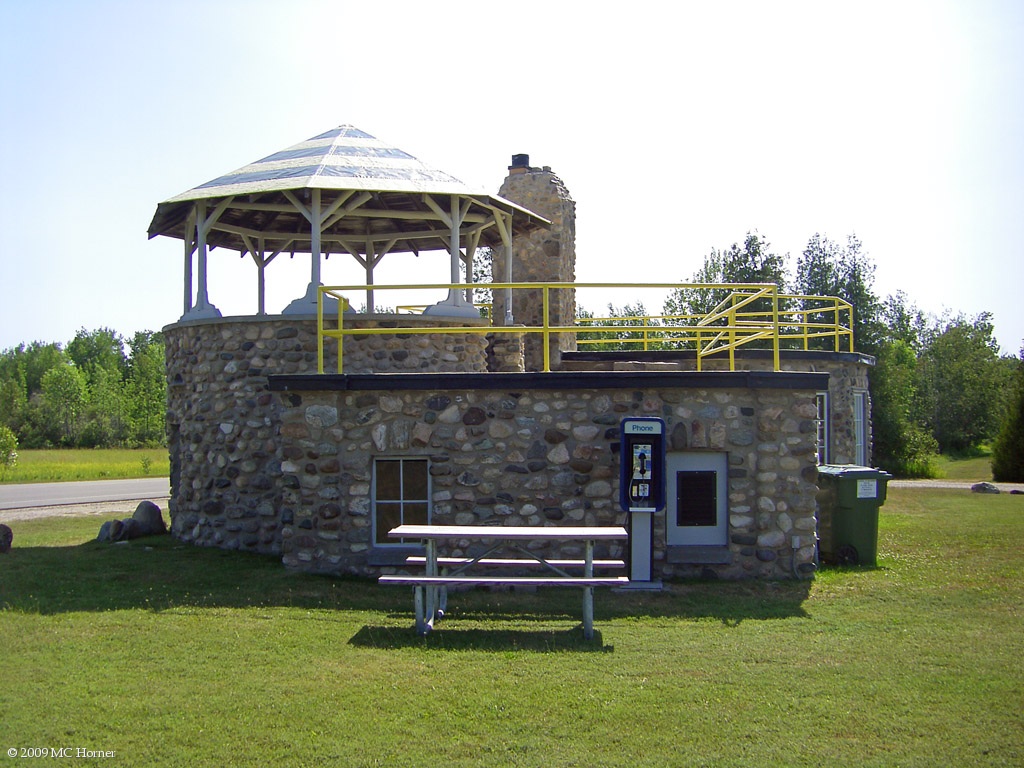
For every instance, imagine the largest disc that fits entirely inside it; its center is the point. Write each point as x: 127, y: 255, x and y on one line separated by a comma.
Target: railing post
x: 320, y: 329
x: 342, y: 305
x: 836, y: 326
x: 732, y: 334
x: 775, y: 325
x: 547, y: 333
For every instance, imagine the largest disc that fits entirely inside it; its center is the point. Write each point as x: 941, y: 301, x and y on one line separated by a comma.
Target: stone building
x: 438, y: 422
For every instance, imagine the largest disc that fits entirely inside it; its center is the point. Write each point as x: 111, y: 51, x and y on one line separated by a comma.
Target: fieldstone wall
x: 544, y: 457
x: 408, y: 352
x: 290, y: 472
x: 224, y: 425
x: 848, y: 374
x: 505, y: 352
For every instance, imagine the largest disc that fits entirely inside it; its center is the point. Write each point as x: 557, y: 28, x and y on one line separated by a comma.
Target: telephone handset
x: 642, y: 462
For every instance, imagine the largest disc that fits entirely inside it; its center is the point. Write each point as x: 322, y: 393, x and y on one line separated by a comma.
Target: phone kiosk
x: 642, y: 491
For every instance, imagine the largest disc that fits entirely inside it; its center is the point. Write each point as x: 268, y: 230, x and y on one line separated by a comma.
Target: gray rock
x: 130, y: 529
x: 116, y: 530
x: 104, y: 534
x: 149, y: 519
x: 984, y: 488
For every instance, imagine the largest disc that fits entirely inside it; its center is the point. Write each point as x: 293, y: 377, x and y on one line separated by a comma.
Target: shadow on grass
x: 161, y: 573
x: 444, y: 638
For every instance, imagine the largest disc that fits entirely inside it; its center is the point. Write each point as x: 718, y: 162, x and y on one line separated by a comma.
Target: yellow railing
x: 749, y: 314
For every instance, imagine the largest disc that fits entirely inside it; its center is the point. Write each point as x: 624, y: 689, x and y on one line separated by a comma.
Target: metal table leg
x: 588, y: 594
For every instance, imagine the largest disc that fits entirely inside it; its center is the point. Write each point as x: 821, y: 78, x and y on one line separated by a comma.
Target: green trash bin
x: 848, y: 500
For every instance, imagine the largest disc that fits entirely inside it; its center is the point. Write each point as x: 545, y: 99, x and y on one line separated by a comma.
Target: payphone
x: 642, y: 487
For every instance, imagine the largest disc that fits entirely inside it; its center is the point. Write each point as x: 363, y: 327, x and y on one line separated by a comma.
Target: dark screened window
x: 696, y: 498
x: 401, y: 495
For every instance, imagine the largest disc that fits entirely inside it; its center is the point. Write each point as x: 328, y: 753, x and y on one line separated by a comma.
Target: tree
x: 107, y: 418
x: 629, y: 316
x: 903, y: 321
x: 960, y: 382
x: 98, y: 350
x: 63, y: 393
x: 147, y: 388
x: 827, y: 269
x: 901, y: 445
x: 1008, y: 449
x: 483, y: 262
x: 8, y: 448
x: 29, y: 364
x: 754, y: 262
x: 13, y: 401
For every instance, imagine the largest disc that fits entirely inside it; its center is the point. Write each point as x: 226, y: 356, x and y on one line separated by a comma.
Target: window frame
x: 822, y: 428
x: 860, y: 427
x: 379, y: 537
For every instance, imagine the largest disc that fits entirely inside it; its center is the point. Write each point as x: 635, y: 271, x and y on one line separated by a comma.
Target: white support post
x: 314, y: 239
x: 189, y: 250
x: 203, y: 297
x: 455, y: 304
x: 261, y: 274
x: 307, y: 303
x: 505, y: 230
x: 369, y: 262
x: 202, y: 308
x: 454, y: 246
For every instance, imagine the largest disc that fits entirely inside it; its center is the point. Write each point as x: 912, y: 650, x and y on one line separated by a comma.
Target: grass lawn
x: 174, y: 655
x: 973, y: 469
x: 58, y: 466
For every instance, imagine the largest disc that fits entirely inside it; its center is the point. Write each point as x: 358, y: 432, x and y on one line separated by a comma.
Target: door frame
x: 697, y: 535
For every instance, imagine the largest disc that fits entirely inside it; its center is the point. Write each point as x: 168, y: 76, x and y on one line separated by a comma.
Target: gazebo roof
x: 374, y: 198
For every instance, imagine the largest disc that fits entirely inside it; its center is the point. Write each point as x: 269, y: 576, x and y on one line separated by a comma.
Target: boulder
x: 104, y: 534
x: 150, y: 520
x: 6, y: 537
x: 122, y: 530
x: 984, y: 488
x: 146, y: 521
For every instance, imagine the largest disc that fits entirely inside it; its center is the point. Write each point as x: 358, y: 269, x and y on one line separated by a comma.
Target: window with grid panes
x: 401, y: 495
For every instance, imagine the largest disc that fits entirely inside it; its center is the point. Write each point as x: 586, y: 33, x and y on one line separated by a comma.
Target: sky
x: 677, y: 128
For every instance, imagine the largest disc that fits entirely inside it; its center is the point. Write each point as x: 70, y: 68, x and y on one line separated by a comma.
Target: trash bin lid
x: 851, y: 470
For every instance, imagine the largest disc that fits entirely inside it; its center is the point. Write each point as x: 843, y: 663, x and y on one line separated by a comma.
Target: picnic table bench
x: 430, y: 589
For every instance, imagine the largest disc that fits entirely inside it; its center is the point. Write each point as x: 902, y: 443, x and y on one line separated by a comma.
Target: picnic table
x: 430, y: 589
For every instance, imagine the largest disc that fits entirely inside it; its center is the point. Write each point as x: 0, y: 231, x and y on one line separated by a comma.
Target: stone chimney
x: 547, y: 256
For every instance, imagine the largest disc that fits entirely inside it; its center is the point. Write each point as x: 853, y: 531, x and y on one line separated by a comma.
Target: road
x: 89, y: 492
x: 39, y: 495
x: 963, y: 485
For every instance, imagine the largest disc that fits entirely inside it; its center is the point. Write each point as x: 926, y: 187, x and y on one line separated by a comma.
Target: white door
x: 697, y: 499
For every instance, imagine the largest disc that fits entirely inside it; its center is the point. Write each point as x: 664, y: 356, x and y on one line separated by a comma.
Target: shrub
x: 1008, y: 449
x: 8, y: 447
